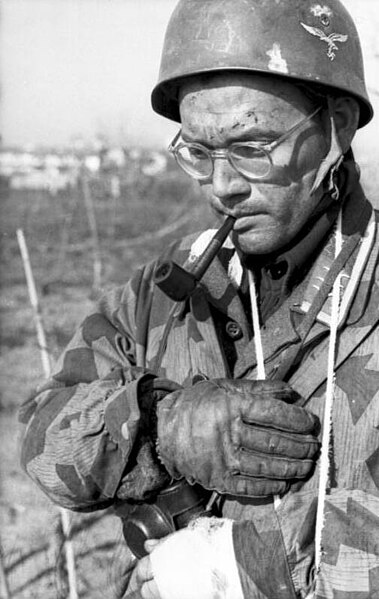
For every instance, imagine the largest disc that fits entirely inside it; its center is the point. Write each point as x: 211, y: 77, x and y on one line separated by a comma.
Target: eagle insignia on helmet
x: 329, y: 39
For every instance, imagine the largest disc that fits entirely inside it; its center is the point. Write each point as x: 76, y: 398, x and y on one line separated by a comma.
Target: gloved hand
x: 145, y: 475
x: 238, y: 437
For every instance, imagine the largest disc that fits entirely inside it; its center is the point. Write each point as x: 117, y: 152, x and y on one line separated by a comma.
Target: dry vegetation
x: 151, y: 212
x: 133, y: 228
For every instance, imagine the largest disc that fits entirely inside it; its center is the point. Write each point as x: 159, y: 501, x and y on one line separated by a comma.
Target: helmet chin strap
x: 332, y: 161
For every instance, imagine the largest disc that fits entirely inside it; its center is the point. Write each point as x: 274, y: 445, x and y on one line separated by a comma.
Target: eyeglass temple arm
x: 173, y: 142
x: 287, y: 134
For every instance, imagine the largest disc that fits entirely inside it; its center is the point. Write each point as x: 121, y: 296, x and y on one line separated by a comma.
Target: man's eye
x: 264, y: 141
x: 197, y: 154
x: 247, y: 152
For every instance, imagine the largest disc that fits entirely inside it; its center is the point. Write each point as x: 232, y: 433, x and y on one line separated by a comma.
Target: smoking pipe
x: 178, y: 283
x: 176, y: 505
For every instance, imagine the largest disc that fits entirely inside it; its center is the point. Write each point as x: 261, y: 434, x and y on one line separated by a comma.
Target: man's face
x: 228, y: 108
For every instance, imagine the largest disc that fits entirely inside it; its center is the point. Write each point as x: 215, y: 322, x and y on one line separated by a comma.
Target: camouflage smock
x: 82, y: 425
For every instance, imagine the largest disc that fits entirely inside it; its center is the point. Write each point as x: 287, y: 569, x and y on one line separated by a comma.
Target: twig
x: 4, y: 587
x: 150, y: 236
x: 63, y: 245
x: 169, y: 228
x: 91, y: 215
x: 45, y: 358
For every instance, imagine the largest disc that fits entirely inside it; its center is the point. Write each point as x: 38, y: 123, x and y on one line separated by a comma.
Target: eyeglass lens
x: 248, y: 159
x: 198, y: 162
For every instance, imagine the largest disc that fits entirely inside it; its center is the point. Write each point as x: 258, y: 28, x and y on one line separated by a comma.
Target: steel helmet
x: 304, y: 40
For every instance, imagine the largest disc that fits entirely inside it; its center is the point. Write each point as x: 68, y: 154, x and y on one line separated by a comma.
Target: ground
x: 133, y: 228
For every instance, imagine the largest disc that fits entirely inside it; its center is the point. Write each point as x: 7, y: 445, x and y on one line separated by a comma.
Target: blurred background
x: 73, y: 70
x: 84, y: 173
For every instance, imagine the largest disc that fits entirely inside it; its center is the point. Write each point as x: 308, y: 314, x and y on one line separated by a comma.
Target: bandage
x: 198, y: 562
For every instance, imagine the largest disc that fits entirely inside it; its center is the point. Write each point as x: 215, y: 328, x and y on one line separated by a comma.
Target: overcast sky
x: 81, y: 67
x: 84, y: 67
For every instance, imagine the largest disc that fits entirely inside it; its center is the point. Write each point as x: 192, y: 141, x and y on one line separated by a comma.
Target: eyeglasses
x: 251, y: 159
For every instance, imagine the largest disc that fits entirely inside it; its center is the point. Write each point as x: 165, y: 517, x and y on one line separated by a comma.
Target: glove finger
x: 240, y: 485
x: 279, y: 415
x: 276, y: 390
x: 262, y: 466
x: 261, y: 388
x: 273, y: 442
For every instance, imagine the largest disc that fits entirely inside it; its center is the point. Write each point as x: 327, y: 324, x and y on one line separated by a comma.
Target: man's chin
x: 257, y: 242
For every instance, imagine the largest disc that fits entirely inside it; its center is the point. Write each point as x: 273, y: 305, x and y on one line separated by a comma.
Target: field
x: 132, y: 228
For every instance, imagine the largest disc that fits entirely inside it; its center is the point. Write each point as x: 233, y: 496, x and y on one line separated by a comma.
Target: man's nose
x: 228, y: 183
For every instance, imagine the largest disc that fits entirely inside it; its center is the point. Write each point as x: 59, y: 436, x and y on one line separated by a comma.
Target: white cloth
x: 198, y: 562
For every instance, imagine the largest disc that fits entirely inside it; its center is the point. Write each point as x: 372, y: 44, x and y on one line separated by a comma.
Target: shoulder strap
x: 319, y: 300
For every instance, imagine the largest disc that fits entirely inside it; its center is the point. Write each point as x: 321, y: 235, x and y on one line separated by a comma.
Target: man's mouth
x: 248, y: 221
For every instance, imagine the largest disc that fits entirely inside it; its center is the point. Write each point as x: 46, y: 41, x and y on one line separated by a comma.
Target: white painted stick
x: 328, y: 414
x: 70, y: 554
x: 34, y: 302
x: 33, y: 296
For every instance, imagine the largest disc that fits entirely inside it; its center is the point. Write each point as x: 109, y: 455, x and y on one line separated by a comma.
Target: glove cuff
x: 146, y: 474
x: 151, y: 391
x: 164, y: 444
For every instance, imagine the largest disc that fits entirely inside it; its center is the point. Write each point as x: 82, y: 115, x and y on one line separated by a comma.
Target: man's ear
x: 346, y: 117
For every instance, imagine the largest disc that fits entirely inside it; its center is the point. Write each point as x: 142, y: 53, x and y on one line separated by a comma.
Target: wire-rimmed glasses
x: 251, y: 159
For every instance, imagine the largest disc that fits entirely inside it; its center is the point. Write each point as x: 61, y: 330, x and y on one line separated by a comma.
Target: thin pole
x: 33, y: 297
x: 91, y: 215
x: 45, y: 358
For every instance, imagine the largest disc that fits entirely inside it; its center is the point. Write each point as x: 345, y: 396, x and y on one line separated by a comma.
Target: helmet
x: 303, y: 40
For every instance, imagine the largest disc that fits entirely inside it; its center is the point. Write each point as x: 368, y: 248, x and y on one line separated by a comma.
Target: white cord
x: 327, y: 425
x: 261, y: 374
x: 328, y: 414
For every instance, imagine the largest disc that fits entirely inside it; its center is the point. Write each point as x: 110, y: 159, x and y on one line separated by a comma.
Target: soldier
x: 155, y: 404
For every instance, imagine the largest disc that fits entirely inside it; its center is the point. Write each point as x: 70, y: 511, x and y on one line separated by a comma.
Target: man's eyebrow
x: 255, y: 134
x: 249, y: 132
x: 244, y: 134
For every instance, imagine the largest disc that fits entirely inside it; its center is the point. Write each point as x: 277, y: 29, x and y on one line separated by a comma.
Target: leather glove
x: 238, y: 437
x: 145, y: 475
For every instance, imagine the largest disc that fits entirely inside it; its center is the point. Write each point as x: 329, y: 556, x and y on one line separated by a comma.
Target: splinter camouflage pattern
x: 83, y: 424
